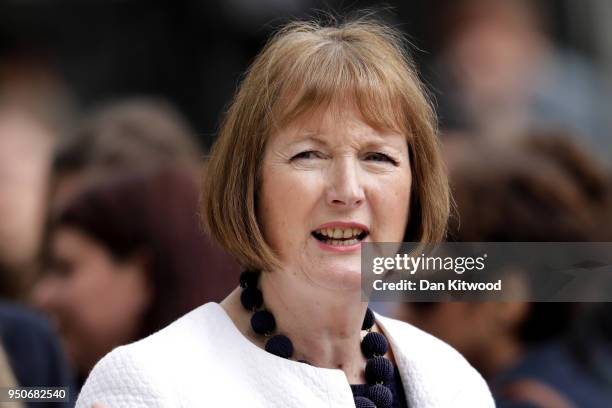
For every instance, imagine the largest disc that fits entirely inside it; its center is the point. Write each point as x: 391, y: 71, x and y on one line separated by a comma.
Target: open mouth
x: 340, y: 236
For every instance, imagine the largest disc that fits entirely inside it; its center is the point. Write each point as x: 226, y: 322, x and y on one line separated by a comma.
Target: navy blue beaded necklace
x: 378, y: 371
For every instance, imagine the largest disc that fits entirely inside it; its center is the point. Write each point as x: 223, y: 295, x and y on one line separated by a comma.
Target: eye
x: 309, y: 154
x: 380, y: 157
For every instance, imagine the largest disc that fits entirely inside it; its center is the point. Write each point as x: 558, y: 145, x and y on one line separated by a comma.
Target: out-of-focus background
x: 108, y: 107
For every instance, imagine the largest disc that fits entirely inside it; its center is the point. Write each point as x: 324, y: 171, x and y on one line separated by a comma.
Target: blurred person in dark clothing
x: 31, y: 356
x: 500, y: 74
x: 126, y: 257
x: 540, y: 188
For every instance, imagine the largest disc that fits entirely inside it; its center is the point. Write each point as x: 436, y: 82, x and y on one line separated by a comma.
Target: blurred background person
x: 34, y: 111
x: 126, y: 257
x: 500, y: 74
x: 543, y: 186
x: 539, y: 188
x: 131, y: 135
x: 138, y: 162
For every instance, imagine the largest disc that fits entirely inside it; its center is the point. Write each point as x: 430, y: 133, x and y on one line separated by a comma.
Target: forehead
x: 334, y: 125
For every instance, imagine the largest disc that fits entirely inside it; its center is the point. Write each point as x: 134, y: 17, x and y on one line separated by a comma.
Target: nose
x: 345, y: 189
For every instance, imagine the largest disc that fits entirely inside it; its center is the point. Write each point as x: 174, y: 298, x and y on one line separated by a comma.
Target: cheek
x: 106, y: 305
x: 287, y: 200
x: 390, y: 202
x: 80, y: 305
x: 89, y: 293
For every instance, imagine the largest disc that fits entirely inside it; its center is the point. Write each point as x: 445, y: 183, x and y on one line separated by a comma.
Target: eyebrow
x: 310, y: 136
x: 316, y: 137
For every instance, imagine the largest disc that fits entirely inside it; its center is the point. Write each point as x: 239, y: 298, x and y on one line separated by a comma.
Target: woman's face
x: 330, y: 175
x: 96, y: 301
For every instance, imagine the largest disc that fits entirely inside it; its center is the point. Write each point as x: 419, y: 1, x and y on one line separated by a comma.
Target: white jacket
x: 202, y: 360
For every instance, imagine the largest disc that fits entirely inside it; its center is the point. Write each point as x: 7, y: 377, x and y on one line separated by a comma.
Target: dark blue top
x: 34, y: 352
x: 579, y: 378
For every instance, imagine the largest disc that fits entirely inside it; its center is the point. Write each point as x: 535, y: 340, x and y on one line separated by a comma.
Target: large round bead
x: 248, y: 279
x: 378, y: 369
x: 263, y: 322
x: 363, y: 402
x: 374, y: 344
x: 381, y: 396
x: 280, y: 345
x: 368, y: 320
x: 251, y: 298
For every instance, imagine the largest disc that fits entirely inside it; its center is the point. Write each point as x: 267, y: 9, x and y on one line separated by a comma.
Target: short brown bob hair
x: 304, y: 67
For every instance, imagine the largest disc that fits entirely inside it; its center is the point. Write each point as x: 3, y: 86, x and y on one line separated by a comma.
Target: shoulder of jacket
x: 427, y: 360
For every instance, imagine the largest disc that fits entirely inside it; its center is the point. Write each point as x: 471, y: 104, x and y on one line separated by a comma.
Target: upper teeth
x: 340, y: 232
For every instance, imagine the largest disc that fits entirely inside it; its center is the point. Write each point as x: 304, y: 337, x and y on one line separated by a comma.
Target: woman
x: 126, y: 259
x: 329, y: 143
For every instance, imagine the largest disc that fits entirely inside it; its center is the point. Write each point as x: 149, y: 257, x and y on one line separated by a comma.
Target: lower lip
x: 339, y: 248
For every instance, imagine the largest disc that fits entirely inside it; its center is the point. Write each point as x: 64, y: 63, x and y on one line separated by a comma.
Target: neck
x: 323, y: 325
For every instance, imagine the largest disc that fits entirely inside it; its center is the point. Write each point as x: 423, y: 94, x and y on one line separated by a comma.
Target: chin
x: 340, y: 276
